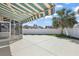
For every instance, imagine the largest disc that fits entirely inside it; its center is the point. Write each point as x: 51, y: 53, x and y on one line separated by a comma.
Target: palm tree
x: 67, y: 18
x: 55, y: 22
x: 78, y: 11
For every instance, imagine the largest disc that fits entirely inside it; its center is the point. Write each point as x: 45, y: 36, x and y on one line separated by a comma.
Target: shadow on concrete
x: 75, y: 41
x: 5, y: 51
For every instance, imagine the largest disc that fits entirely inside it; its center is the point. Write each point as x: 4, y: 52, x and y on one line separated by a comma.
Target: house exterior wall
x: 9, y: 32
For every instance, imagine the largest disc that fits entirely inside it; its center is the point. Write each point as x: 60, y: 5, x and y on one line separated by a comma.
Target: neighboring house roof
x: 26, y: 11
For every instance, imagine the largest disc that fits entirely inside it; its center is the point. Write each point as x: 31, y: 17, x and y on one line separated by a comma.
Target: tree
x: 78, y: 11
x: 55, y: 22
x: 67, y: 19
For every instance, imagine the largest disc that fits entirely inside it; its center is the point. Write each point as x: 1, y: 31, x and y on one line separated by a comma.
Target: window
x: 4, y: 30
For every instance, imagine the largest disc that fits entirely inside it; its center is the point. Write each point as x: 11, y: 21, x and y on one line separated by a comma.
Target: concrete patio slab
x: 36, y: 38
x: 20, y: 45
x: 45, y: 45
x: 61, y: 47
x: 32, y: 51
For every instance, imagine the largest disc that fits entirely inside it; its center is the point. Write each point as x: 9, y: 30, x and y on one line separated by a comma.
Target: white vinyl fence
x: 41, y: 31
x: 73, y: 32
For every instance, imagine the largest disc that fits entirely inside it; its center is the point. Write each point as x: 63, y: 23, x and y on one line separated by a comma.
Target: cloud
x: 77, y: 15
x: 48, y: 16
x: 55, y: 14
x: 29, y: 23
x: 59, y: 6
x: 76, y: 9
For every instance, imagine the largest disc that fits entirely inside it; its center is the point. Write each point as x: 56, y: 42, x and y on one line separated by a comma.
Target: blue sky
x: 46, y: 21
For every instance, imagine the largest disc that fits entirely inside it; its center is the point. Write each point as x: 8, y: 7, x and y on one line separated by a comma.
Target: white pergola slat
x: 25, y: 12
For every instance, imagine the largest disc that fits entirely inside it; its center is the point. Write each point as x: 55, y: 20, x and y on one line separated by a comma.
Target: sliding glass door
x: 4, y: 33
x: 16, y: 30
